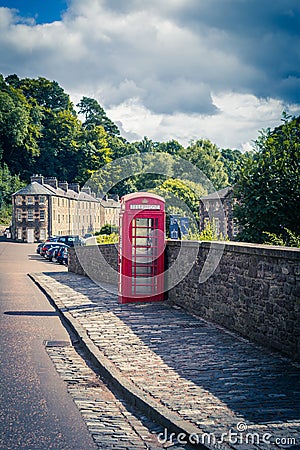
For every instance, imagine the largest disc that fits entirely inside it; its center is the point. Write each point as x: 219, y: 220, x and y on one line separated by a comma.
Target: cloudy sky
x: 165, y: 69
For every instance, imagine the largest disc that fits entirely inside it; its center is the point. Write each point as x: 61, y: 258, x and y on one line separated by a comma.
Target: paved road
x: 36, y: 411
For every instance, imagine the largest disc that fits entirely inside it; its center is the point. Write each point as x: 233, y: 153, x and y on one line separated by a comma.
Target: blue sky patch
x: 41, y: 11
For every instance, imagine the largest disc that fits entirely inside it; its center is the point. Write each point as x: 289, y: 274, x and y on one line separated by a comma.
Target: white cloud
x: 237, y: 124
x: 171, y: 69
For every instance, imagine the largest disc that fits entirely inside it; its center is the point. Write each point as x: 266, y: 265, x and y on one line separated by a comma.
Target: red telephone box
x: 141, y: 248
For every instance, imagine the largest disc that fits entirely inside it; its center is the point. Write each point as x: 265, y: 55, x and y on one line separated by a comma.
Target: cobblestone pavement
x: 111, y: 421
x: 206, y: 377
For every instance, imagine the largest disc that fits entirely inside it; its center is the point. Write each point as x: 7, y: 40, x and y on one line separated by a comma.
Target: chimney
x: 52, y: 181
x: 63, y: 185
x: 37, y: 178
x: 74, y: 187
x: 86, y: 190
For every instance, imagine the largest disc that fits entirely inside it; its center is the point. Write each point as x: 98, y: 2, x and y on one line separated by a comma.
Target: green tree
x: 186, y: 192
x: 94, y: 153
x: 8, y: 185
x: 172, y: 147
x: 47, y: 94
x: 207, y: 157
x: 60, y: 145
x: 47, y: 126
x: 150, y: 176
x: 233, y: 161
x: 268, y: 189
x: 145, y: 145
x: 95, y: 115
x: 19, y: 128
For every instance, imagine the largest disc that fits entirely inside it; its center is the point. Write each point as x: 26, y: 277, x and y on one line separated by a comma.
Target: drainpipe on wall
x: 49, y: 215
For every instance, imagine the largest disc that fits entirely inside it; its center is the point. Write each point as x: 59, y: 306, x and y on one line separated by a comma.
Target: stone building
x: 111, y: 209
x: 219, y: 207
x: 47, y: 207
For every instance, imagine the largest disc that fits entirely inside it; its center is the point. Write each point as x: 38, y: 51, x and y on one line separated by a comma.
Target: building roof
x: 110, y: 203
x: 61, y: 193
x: 34, y: 189
x: 222, y: 193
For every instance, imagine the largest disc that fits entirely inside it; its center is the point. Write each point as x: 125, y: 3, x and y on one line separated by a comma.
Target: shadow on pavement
x: 31, y: 313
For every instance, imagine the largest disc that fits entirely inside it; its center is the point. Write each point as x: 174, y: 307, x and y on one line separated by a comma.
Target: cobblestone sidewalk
x: 111, y: 422
x: 209, y: 383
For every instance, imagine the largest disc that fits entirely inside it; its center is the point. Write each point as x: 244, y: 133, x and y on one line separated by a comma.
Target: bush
x: 108, y: 238
x: 107, y: 229
x: 286, y: 239
x: 5, y: 215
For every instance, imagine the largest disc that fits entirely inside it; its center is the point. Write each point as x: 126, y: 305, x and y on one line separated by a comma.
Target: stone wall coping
x: 93, y: 246
x: 236, y: 247
x: 244, y: 247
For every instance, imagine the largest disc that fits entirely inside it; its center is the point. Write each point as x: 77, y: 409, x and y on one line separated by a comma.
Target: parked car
x: 62, y: 255
x: 47, y: 245
x: 65, y: 254
x: 7, y: 232
x: 53, y: 238
x: 71, y: 240
x: 52, y: 250
x: 38, y: 249
x: 56, y: 252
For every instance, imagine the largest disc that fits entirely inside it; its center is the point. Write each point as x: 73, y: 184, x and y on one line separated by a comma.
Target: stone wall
x: 98, y: 262
x: 254, y: 290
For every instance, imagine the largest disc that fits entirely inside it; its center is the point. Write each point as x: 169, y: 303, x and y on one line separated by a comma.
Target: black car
x: 38, y: 249
x: 56, y: 252
x: 52, y: 251
x: 62, y: 255
x: 71, y: 241
x: 48, y: 245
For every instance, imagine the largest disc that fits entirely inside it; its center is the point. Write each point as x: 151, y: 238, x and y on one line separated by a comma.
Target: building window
x: 235, y: 229
x: 42, y: 215
x: 42, y: 200
x: 30, y: 200
x: 30, y: 215
x: 58, y: 202
x: 58, y: 218
x: 19, y: 200
x: 19, y: 215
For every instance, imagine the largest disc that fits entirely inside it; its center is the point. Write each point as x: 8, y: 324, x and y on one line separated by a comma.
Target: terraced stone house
x: 47, y: 207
